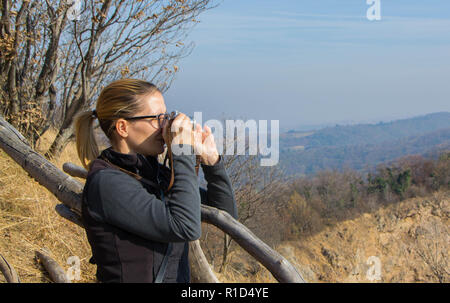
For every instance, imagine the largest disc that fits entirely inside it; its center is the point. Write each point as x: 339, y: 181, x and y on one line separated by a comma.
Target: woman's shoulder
x: 96, y: 166
x: 101, y: 173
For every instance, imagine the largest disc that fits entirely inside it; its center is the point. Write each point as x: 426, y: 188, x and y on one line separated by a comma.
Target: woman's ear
x: 122, y: 128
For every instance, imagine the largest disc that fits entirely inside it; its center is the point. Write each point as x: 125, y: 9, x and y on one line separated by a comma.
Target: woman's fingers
x: 210, y: 155
x: 182, y: 130
x: 207, y: 129
x: 202, y: 140
x: 179, y: 123
x: 204, y: 133
x: 198, y: 128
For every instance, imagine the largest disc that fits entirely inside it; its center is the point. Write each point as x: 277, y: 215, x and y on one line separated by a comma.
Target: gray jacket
x: 128, y: 224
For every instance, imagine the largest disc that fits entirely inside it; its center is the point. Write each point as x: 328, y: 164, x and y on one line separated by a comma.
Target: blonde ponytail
x: 87, y: 147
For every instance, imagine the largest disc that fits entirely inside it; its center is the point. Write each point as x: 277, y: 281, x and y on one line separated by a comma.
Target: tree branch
x: 57, y: 274
x: 8, y: 271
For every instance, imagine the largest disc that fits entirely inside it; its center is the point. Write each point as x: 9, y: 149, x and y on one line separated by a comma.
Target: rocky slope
x: 406, y: 242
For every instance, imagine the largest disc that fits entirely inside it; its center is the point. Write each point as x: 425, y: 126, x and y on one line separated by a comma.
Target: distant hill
x: 363, y: 146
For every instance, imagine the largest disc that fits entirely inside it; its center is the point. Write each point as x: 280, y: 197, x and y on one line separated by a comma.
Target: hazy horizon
x: 303, y: 127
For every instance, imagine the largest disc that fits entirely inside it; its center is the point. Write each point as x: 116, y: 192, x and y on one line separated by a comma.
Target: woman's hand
x: 180, y: 132
x: 208, y: 151
x: 202, y: 141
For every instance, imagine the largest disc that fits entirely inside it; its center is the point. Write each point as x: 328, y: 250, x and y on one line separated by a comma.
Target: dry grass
x: 28, y: 222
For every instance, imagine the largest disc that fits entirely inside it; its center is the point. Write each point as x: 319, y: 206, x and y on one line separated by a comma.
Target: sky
x: 315, y: 62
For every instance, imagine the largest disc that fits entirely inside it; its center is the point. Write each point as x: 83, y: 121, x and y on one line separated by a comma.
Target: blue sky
x: 310, y: 62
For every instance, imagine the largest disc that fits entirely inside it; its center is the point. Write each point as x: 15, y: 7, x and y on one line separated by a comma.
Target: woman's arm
x: 219, y: 192
x: 122, y: 201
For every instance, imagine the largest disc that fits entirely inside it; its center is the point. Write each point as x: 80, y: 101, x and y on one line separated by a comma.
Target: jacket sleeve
x: 122, y: 201
x: 219, y: 192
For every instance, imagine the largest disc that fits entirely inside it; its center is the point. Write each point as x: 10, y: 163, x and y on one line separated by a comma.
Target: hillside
x: 362, y: 157
x: 409, y: 241
x: 361, y: 134
x: 363, y: 146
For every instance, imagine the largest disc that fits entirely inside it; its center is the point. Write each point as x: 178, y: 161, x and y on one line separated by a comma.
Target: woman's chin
x: 157, y: 149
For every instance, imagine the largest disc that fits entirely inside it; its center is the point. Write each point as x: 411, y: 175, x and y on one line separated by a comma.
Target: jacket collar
x: 145, y: 166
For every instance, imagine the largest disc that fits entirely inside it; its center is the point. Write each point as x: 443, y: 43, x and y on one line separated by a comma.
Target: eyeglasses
x: 157, y: 121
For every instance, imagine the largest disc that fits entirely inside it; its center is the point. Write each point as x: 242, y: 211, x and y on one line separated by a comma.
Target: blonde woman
x: 138, y: 231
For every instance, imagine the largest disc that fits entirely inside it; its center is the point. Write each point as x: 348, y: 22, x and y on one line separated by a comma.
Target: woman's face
x: 144, y: 135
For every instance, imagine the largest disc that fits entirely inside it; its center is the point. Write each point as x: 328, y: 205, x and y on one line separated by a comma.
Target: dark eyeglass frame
x: 166, y: 116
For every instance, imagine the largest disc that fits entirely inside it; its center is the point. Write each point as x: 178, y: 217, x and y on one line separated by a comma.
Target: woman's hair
x: 120, y: 99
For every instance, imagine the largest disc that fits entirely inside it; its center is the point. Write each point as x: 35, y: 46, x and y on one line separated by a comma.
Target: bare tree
x: 254, y: 187
x: 431, y: 245
x: 54, y: 60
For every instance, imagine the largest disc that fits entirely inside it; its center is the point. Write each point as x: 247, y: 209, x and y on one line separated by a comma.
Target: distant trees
x: 398, y: 182
x: 331, y: 196
x: 303, y: 218
x: 55, y: 59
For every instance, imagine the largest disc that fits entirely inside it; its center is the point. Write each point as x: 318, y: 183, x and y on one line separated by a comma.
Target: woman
x: 137, y: 231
